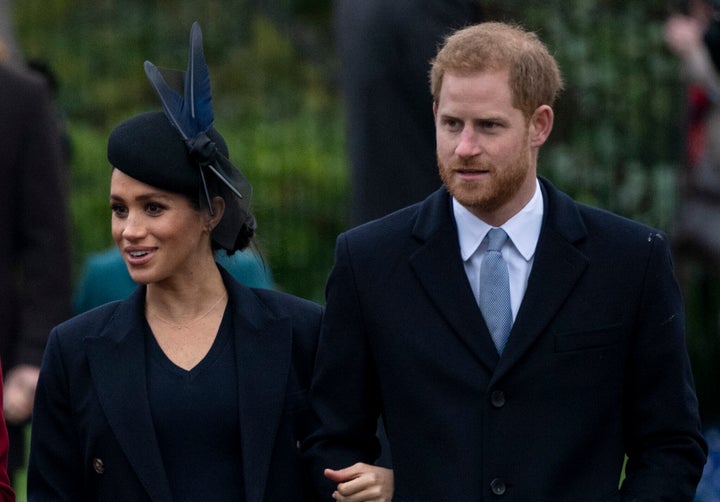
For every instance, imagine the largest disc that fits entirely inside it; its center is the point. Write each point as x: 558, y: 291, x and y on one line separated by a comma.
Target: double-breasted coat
x: 93, y: 436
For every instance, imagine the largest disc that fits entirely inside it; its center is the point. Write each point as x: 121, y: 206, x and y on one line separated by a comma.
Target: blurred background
x: 619, y: 139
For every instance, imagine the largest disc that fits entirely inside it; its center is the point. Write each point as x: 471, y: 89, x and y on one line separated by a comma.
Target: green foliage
x: 616, y: 142
x: 299, y: 190
x: 89, y: 182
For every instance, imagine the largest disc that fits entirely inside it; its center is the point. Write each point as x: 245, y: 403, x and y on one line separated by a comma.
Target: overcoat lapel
x: 263, y: 346
x: 558, y: 262
x: 438, y: 266
x: 117, y: 364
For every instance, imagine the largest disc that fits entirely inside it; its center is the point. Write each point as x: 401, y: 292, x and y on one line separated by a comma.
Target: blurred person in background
x: 694, y: 37
x: 35, y: 282
x: 6, y: 492
x: 45, y: 70
x: 384, y: 49
x: 8, y: 44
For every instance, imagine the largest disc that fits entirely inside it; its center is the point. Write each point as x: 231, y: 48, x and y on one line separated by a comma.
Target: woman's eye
x: 153, y: 208
x: 118, y: 210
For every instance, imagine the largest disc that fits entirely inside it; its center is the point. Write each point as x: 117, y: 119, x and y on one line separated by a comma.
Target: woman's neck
x: 184, y: 297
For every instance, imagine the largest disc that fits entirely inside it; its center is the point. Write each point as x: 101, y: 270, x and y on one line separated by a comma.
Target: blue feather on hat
x: 189, y: 110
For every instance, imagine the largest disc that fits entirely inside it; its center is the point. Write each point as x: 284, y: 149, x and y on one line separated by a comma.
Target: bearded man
x: 517, y: 344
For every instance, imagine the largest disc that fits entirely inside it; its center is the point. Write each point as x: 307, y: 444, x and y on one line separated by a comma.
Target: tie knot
x: 496, y: 239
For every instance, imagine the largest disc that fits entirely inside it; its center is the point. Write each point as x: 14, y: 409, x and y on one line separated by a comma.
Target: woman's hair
x: 534, y: 76
x: 244, y: 237
x: 245, y: 232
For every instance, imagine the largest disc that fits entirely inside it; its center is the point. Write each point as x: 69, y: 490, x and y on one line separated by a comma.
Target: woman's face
x: 159, y: 234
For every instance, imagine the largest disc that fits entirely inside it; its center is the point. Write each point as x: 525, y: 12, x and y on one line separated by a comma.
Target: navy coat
x: 595, y: 368
x: 93, y: 438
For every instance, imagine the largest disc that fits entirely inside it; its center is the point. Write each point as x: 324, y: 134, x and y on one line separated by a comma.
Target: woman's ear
x: 541, y: 123
x: 218, y: 209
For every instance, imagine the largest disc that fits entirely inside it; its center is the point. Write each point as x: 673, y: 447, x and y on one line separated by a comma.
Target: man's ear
x: 541, y: 124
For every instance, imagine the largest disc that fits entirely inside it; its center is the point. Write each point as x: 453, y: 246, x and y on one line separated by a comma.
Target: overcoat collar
x: 263, y: 346
x: 557, y: 266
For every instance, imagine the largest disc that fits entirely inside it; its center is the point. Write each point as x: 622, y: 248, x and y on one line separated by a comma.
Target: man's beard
x: 487, y: 196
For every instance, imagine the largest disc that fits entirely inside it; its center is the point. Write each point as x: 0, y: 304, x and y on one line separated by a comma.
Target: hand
x: 362, y: 482
x: 19, y: 393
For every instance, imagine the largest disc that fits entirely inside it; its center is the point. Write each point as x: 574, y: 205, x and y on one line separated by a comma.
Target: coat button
x: 497, y: 398
x: 98, y: 465
x: 497, y: 486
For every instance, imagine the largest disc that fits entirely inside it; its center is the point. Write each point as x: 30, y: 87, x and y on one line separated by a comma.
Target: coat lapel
x: 557, y: 267
x: 122, y: 391
x: 263, y: 349
x: 438, y: 266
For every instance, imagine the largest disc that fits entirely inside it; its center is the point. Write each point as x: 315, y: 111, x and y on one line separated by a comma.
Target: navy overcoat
x: 93, y: 438
x: 596, y: 366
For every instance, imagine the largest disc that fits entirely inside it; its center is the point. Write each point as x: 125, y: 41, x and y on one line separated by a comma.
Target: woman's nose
x: 134, y: 227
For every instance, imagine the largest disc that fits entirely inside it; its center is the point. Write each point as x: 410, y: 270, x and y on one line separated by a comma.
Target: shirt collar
x: 523, y: 228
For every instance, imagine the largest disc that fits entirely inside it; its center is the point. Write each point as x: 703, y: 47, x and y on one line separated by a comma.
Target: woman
x: 194, y: 388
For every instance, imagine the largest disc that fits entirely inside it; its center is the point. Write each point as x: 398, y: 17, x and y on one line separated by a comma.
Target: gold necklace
x: 186, y: 325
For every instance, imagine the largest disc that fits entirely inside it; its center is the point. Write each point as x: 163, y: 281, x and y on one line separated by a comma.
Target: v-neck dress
x: 196, y: 418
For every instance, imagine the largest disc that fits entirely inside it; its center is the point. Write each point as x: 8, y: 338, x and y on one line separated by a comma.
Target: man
x: 595, y: 366
x: 35, y: 283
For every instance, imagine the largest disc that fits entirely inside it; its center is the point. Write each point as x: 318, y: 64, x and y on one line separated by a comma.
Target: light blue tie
x: 495, y: 290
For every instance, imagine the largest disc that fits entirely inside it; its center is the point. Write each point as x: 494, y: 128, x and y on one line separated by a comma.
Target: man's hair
x: 534, y: 74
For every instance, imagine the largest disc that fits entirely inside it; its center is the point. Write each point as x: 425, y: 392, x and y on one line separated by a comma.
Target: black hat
x: 180, y: 151
x: 146, y: 147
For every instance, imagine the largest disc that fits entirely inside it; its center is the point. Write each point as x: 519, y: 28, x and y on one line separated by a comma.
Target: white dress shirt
x: 523, y: 231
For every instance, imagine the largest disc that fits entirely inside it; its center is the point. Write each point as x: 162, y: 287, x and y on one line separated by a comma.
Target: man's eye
x: 453, y: 124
